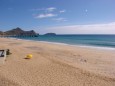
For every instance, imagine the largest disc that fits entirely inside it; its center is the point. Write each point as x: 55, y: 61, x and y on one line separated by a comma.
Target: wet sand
x: 55, y: 65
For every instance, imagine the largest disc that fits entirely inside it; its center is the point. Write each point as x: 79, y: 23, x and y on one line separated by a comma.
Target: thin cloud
x: 37, y: 9
x: 62, y: 11
x: 83, y: 29
x: 50, y: 9
x: 45, y: 15
x: 49, y: 12
x: 60, y: 19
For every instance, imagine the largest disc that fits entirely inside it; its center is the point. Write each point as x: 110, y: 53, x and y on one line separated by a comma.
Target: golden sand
x: 55, y: 65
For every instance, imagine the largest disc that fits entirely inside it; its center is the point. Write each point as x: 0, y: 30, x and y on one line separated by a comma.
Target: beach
x: 55, y: 65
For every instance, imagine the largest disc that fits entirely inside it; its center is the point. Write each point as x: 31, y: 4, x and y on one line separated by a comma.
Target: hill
x: 19, y: 32
x: 50, y: 34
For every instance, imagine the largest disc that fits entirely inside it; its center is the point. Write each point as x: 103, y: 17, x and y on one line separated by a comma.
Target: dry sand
x: 55, y: 65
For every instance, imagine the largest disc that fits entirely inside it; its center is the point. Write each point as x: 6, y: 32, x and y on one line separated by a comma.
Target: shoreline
x: 56, y: 64
x: 77, y: 45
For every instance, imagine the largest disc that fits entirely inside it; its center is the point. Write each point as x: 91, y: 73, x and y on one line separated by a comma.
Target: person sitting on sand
x: 8, y: 52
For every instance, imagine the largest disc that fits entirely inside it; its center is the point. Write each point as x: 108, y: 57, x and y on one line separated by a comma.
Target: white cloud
x: 50, y: 9
x: 60, y: 19
x: 48, y: 12
x: 62, y: 11
x: 45, y: 15
x: 82, y: 29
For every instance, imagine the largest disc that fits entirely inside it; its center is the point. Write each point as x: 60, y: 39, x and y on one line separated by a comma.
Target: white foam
x: 78, y: 45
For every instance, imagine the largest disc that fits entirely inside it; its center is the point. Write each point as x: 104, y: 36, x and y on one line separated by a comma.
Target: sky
x: 59, y: 16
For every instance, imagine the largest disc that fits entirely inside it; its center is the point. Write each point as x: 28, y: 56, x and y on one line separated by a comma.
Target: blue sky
x: 59, y: 16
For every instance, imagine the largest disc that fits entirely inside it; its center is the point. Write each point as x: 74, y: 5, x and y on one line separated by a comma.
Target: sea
x: 97, y: 41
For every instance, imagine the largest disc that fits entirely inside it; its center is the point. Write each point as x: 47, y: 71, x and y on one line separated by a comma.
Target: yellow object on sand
x: 29, y: 56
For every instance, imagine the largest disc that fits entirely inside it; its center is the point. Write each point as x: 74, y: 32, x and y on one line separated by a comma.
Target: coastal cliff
x: 19, y: 32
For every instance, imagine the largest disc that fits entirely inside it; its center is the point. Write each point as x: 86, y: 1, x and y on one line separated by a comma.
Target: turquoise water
x: 87, y: 40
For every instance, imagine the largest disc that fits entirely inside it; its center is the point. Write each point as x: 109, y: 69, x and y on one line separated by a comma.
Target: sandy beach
x: 55, y: 65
